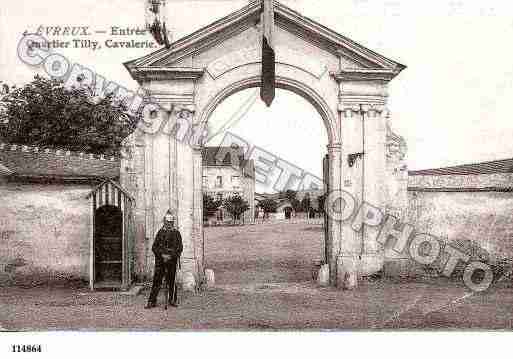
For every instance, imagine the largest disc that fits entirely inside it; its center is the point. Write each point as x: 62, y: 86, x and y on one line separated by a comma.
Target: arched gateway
x: 344, y: 81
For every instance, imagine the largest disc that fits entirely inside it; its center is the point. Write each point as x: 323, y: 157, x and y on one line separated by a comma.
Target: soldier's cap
x: 169, y: 216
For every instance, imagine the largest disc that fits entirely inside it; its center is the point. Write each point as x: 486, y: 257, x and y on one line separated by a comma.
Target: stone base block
x: 347, y: 272
x: 188, y: 276
x: 323, y: 277
x: 210, y: 280
x: 188, y: 282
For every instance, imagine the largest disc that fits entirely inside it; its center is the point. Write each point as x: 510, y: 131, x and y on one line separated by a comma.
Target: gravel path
x: 264, y: 283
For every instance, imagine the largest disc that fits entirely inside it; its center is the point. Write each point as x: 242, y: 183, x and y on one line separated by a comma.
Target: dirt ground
x: 264, y: 253
x: 264, y: 282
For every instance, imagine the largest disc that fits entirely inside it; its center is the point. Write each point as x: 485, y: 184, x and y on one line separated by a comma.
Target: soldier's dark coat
x: 167, y: 241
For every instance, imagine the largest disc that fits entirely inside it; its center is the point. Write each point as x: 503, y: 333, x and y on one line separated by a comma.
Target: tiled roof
x: 35, y: 162
x: 501, y: 166
x: 4, y: 171
x: 210, y: 153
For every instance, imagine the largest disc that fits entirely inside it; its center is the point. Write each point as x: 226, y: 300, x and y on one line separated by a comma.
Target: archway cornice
x: 150, y: 73
x: 382, y: 75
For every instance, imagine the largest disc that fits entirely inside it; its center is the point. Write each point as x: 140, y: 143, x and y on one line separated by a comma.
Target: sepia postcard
x: 246, y: 167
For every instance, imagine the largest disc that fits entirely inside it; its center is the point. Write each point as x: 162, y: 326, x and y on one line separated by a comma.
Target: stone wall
x: 462, y: 210
x: 477, y: 208
x: 485, y: 218
x: 396, y: 175
x: 44, y: 233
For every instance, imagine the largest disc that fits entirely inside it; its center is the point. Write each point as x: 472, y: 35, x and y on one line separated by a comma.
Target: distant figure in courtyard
x: 167, y: 249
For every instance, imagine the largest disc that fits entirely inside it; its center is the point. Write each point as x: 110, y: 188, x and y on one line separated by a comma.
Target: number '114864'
x: 26, y: 348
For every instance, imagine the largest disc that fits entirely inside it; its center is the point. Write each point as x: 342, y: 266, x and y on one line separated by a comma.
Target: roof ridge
x: 466, y: 166
x: 56, y: 151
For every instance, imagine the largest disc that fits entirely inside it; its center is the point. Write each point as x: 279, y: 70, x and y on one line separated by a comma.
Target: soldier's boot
x: 150, y: 305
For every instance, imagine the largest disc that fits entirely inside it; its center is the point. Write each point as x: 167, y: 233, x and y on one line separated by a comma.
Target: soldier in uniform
x: 167, y: 249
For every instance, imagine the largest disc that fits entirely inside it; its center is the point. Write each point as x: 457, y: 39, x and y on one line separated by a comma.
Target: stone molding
x: 252, y: 55
x: 382, y: 75
x: 334, y: 148
x: 183, y: 111
x: 168, y: 100
x: 147, y: 73
x: 57, y: 152
x: 395, y: 145
x: 368, y: 107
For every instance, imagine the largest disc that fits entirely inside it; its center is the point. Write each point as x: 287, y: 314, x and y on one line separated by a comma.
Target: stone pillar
x: 184, y: 197
x: 168, y: 176
x: 161, y: 177
x: 169, y: 181
x: 158, y: 175
x: 352, y: 184
x: 197, y: 232
x: 374, y: 183
x: 333, y: 230
x: 132, y: 179
x: 362, y: 96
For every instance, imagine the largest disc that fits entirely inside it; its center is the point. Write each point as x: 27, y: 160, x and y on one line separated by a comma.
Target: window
x: 236, y: 182
x: 205, y: 181
x: 219, y: 182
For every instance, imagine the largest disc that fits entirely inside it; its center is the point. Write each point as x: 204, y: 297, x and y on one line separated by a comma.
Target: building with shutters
x: 224, y: 176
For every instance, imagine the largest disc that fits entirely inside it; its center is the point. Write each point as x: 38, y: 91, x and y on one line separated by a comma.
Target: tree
x: 210, y: 206
x: 46, y: 113
x: 296, y: 204
x: 269, y: 206
x: 290, y: 194
x: 236, y: 206
x: 321, y: 200
x: 306, y: 203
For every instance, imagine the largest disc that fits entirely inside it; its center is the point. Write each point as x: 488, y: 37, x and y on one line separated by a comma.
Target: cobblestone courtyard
x: 264, y: 282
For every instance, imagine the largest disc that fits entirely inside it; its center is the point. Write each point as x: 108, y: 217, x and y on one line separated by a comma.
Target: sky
x: 452, y: 104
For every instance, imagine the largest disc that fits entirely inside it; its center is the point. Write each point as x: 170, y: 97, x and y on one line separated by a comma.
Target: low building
x: 64, y: 218
x: 468, y: 206
x: 228, y: 177
x: 468, y: 202
x: 285, y: 209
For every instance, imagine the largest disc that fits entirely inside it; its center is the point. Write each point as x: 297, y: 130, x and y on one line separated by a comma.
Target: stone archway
x: 299, y: 88
x: 344, y: 81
